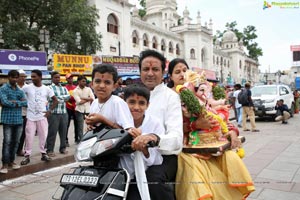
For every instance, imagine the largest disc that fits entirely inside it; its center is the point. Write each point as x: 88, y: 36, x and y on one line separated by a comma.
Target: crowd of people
x: 151, y: 111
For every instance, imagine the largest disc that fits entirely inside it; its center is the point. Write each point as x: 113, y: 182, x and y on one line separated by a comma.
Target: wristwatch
x: 158, y: 140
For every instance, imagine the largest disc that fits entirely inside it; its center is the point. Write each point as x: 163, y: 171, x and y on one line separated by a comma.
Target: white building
x: 163, y: 29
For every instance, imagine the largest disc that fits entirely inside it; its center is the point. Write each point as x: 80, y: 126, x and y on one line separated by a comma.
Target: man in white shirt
x: 83, y: 96
x: 165, y: 105
x: 38, y: 111
x: 238, y: 107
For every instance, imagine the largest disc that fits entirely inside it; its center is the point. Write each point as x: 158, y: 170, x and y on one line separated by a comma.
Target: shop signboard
x: 26, y: 60
x: 75, y: 64
x: 210, y: 75
x: 125, y: 65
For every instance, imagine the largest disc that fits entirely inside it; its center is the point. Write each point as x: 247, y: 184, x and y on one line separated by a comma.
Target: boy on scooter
x: 107, y: 108
x: 137, y: 99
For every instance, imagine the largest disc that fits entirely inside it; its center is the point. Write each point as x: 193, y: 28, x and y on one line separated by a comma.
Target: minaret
x: 186, y: 18
x: 198, y: 18
x: 210, y: 25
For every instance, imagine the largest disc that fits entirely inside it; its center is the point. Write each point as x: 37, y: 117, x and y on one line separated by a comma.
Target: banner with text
x: 75, y: 64
x: 26, y: 60
x: 124, y: 65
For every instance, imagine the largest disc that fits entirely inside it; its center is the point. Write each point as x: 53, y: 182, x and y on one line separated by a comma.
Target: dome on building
x: 186, y: 12
x: 229, y: 36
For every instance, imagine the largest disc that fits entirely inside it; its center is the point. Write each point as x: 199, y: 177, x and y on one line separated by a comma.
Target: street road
x: 272, y: 157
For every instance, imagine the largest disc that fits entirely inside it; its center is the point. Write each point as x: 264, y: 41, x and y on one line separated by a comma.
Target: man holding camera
x: 282, y: 112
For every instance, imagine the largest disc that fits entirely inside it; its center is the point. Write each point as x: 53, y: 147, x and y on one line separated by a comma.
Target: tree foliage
x: 142, y: 11
x: 248, y: 37
x: 23, y: 20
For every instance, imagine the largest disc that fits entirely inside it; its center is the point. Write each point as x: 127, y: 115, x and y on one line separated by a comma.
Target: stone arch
x: 171, y: 48
x: 145, y: 40
x: 135, y: 37
x: 192, y: 53
x: 112, y: 24
x: 154, y: 42
x: 163, y: 45
x: 177, y: 49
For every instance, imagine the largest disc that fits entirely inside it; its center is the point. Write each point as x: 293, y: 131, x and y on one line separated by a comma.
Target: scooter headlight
x: 102, y: 146
x: 84, y: 149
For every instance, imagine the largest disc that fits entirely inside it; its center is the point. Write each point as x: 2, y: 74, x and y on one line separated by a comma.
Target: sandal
x: 25, y: 161
x: 246, y: 130
x: 255, y: 130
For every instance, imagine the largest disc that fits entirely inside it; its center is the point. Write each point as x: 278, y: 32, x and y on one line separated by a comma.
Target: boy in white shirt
x: 137, y: 98
x: 107, y: 108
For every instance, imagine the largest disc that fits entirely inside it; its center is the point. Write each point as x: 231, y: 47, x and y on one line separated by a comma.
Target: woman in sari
x: 203, y: 176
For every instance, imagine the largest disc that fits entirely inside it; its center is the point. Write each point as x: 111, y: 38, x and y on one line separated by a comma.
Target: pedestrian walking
x: 12, y: 99
x: 38, y: 111
x: 248, y: 110
x: 237, y: 106
x: 58, y: 120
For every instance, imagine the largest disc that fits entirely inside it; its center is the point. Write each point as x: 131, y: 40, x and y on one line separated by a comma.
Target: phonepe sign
x: 26, y: 60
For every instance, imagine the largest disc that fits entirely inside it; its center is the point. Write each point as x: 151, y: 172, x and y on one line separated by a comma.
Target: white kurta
x: 149, y: 125
x: 165, y: 105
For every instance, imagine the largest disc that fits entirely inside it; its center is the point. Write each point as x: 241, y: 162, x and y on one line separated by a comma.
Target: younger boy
x: 137, y: 99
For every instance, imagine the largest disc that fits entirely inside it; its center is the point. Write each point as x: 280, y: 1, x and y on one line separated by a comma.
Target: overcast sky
x: 277, y: 28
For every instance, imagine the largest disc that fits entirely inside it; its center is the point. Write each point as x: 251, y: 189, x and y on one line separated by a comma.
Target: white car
x: 265, y: 97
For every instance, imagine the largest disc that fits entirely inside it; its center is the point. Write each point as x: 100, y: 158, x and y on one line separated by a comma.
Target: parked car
x: 265, y: 97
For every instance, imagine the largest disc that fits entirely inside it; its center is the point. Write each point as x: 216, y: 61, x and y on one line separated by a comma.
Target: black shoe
x: 284, y: 122
x: 45, y: 157
x: 63, y: 151
x: 25, y: 161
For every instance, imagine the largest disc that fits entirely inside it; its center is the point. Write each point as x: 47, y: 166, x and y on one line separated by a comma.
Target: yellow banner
x: 75, y: 64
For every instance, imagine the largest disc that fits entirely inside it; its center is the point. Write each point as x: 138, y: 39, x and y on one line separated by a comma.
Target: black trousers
x: 161, y: 181
x: 71, y: 115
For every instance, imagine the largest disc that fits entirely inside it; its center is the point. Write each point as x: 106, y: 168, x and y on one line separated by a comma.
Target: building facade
x: 124, y: 33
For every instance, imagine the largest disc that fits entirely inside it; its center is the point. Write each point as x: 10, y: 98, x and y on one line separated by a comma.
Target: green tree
x: 22, y: 21
x: 142, y: 11
x: 248, y: 37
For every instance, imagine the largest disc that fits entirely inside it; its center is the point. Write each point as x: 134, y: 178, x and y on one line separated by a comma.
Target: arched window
x: 192, y: 52
x: 221, y: 61
x: 202, y: 55
x: 228, y: 63
x: 145, y: 40
x: 171, y: 49
x: 177, y: 49
x: 154, y: 43
x: 112, y: 24
x: 217, y: 60
x: 240, y: 64
x: 135, y: 37
x: 163, y: 45
x: 224, y: 62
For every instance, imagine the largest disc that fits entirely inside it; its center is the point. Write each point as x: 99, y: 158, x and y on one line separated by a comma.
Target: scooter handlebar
x: 150, y: 144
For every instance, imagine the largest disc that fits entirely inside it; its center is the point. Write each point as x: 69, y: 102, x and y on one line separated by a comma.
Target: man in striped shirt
x: 58, y: 120
x: 12, y: 99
